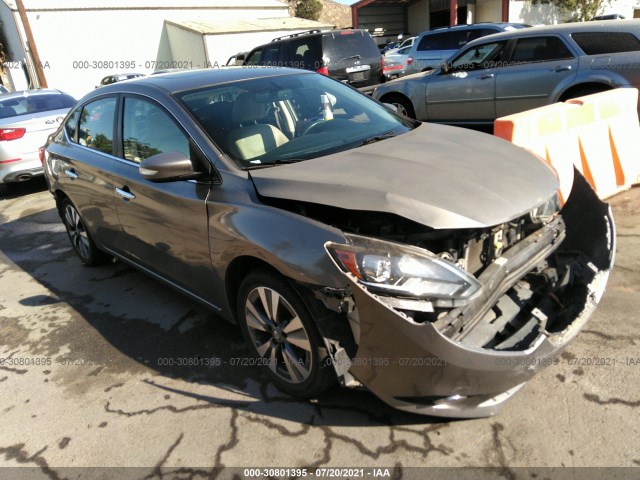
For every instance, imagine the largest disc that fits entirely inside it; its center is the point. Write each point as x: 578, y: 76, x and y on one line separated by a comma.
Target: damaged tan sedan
x: 438, y: 267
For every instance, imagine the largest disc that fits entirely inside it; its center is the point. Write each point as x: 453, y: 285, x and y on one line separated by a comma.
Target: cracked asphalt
x: 90, y: 377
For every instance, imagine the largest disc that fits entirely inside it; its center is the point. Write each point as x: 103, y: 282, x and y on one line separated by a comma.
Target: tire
x: 79, y: 236
x: 581, y: 92
x: 285, y: 342
x: 403, y: 105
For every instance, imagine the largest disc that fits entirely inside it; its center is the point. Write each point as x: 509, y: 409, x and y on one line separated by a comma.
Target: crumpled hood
x: 439, y: 176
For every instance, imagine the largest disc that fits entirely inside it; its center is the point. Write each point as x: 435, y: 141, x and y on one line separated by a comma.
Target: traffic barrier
x: 595, y: 133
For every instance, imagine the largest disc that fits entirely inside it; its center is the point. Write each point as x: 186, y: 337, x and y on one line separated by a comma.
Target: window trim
x: 621, y: 32
x: 514, y: 41
x: 203, y: 159
x: 80, y: 108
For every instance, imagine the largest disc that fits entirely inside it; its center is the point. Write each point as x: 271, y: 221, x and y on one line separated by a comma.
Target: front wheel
x: 403, y: 105
x: 282, y: 335
x: 80, y: 239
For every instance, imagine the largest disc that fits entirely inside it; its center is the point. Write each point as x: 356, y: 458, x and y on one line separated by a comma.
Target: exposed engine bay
x: 538, y: 271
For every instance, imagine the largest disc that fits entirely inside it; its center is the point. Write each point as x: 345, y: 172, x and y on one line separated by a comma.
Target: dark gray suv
x: 436, y: 267
x: 347, y: 55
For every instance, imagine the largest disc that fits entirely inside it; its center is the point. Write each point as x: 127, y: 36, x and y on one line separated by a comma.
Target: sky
x: 346, y: 2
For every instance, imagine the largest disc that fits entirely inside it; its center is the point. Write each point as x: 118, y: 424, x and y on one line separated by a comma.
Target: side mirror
x: 167, y: 167
x: 444, y: 68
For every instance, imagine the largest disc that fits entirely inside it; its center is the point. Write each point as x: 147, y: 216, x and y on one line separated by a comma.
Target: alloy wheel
x: 278, y: 335
x: 77, y: 232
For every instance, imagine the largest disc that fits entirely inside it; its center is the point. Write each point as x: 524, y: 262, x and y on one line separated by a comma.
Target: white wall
x: 187, y: 49
x: 540, y: 14
x: 79, y: 48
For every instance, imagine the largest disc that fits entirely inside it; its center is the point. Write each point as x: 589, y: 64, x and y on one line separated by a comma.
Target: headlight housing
x: 544, y: 212
x: 403, y: 270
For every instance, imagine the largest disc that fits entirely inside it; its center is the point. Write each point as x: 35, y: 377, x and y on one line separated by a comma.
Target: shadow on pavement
x: 152, y: 329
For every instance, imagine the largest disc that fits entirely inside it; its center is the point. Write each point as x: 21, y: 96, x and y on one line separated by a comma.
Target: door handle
x: 125, y: 194
x: 562, y: 69
x: 486, y: 75
x: 71, y: 173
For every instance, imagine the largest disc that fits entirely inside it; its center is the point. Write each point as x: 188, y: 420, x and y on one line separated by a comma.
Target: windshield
x: 289, y: 118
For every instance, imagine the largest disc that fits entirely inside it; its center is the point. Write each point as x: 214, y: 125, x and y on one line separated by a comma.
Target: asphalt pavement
x: 105, y: 367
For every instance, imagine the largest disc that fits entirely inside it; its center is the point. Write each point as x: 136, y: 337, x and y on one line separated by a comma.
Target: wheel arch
x: 389, y: 97
x: 236, y: 272
x: 587, y: 87
x: 330, y: 324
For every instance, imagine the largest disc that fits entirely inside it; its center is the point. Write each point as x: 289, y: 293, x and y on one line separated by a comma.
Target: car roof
x: 567, y: 28
x: 473, y: 26
x: 32, y: 93
x: 190, y: 79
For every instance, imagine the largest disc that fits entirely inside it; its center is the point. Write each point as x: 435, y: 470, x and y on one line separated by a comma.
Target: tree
x: 576, y: 10
x: 309, y: 9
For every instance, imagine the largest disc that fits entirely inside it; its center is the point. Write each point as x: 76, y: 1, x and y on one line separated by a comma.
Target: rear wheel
x: 582, y: 91
x: 80, y: 239
x: 403, y: 105
x: 282, y: 335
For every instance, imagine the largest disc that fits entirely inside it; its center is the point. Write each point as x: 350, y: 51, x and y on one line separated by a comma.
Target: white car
x: 27, y: 118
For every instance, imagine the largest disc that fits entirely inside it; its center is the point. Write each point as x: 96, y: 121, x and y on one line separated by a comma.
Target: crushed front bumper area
x: 471, y: 359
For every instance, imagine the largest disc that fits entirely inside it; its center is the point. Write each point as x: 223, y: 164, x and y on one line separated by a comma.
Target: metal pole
x: 42, y: 81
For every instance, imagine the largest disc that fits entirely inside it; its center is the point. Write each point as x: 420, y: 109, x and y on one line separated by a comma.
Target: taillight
x: 323, y: 71
x: 41, y: 155
x: 409, y: 60
x: 12, y: 133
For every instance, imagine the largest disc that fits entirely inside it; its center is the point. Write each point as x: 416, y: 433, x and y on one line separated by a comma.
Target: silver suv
x: 433, y: 47
x: 516, y: 71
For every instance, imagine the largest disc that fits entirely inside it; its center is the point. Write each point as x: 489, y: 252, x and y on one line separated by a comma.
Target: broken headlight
x: 544, y: 212
x: 402, y: 270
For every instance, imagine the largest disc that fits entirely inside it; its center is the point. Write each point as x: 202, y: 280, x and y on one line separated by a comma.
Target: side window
x: 95, y: 129
x: 539, y: 49
x: 430, y: 42
x: 270, y: 55
x: 254, y: 58
x: 479, y: 57
x: 480, y: 32
x: 148, y: 130
x: 600, y: 43
x: 303, y: 53
x: 454, y: 40
x: 72, y: 124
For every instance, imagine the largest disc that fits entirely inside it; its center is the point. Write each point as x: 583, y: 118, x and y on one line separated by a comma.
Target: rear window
x: 345, y: 44
x: 31, y: 104
x: 598, y: 43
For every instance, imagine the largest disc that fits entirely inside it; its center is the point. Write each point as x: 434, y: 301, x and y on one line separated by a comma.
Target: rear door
x: 164, y: 224
x: 536, y: 67
x: 82, y: 164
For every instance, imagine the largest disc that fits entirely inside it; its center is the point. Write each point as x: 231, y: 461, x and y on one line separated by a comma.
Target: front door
x: 465, y: 92
x: 165, y: 224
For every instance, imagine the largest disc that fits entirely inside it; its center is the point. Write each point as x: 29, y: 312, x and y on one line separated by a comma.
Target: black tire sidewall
x: 321, y: 376
x: 95, y: 256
